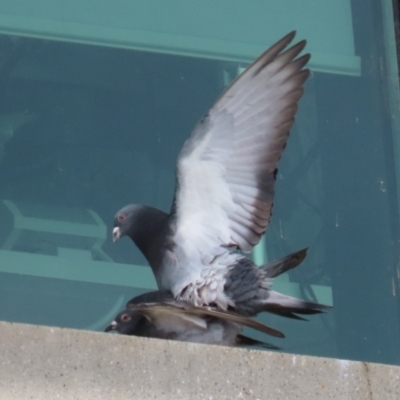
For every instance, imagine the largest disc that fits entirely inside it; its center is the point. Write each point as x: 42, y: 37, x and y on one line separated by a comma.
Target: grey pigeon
x: 158, y: 315
x: 225, y: 188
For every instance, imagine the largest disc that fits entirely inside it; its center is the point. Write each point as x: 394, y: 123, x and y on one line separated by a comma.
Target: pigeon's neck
x: 150, y: 234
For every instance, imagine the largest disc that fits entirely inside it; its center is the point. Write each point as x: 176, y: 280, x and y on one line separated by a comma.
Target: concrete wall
x: 48, y: 363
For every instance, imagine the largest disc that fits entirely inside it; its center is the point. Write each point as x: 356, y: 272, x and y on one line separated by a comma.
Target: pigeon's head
x: 127, y: 322
x: 125, y: 221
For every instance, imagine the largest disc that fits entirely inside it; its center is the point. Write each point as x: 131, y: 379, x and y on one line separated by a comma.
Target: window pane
x: 95, y: 106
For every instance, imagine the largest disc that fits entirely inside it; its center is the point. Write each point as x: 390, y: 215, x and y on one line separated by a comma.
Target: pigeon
x: 226, y: 172
x: 158, y: 315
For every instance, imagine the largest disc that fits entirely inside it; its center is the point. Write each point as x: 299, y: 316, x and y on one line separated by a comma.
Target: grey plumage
x: 158, y: 315
x: 250, y: 287
x: 225, y: 188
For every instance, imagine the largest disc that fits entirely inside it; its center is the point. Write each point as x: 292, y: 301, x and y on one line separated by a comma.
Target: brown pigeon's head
x: 127, y: 322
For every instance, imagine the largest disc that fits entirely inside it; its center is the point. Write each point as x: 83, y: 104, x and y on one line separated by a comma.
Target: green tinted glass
x: 96, y: 100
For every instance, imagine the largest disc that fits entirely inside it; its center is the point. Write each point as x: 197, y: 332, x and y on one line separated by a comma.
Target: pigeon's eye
x: 125, y: 318
x: 121, y: 217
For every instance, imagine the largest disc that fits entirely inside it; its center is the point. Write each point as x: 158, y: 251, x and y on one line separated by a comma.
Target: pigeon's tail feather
x: 242, y: 340
x: 278, y: 267
x: 249, y: 288
x: 287, y: 306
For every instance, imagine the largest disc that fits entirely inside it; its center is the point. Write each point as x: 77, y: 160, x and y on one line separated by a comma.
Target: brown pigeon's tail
x: 242, y: 340
x: 287, y: 306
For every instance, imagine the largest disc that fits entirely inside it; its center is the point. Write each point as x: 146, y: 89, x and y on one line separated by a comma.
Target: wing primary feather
x: 246, y: 321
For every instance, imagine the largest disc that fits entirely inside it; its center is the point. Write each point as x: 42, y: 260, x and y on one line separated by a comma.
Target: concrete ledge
x: 48, y: 363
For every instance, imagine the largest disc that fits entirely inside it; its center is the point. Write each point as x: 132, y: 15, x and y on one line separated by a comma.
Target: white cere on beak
x: 116, y: 234
x: 111, y: 327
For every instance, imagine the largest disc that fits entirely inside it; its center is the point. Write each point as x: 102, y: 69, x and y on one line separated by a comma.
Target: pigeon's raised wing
x: 226, y: 169
x: 169, y: 312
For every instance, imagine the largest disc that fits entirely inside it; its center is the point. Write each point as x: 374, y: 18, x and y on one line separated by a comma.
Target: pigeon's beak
x: 111, y: 327
x: 116, y: 234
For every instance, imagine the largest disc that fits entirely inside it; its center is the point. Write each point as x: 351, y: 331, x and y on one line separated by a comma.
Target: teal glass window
x: 96, y: 100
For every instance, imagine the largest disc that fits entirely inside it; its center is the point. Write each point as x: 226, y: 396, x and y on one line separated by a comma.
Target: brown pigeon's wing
x: 194, y: 316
